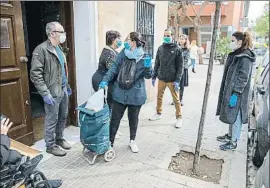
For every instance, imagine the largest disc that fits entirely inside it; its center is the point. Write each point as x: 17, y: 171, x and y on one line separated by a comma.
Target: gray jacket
x: 236, y: 79
x: 45, y: 71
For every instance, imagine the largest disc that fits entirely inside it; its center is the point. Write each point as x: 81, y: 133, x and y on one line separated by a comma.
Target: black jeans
x: 118, y: 111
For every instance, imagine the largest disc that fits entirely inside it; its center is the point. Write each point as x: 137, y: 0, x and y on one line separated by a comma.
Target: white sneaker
x: 133, y: 146
x: 179, y: 123
x: 155, y: 117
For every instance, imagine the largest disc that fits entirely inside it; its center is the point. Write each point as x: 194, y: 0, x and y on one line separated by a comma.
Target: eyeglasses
x: 62, y: 32
x: 167, y: 35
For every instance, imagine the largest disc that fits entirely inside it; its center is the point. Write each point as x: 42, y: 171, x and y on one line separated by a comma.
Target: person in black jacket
x: 106, y: 59
x: 169, y: 69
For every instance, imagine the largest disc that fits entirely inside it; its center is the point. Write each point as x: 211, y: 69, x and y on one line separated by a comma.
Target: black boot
x: 193, y: 70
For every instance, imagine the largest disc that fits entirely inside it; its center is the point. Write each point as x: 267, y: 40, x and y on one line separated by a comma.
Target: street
x: 158, y: 141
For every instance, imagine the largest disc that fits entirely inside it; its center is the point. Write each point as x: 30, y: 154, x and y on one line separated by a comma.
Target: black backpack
x: 126, y: 76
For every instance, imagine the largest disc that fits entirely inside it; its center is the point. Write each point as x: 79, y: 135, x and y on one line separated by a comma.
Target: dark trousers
x: 55, y: 119
x: 118, y: 111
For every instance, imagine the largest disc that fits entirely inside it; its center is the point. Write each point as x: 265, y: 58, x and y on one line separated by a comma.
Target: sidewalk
x: 158, y: 142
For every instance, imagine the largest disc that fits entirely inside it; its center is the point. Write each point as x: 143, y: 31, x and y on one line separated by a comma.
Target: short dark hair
x: 111, y: 36
x: 137, y: 37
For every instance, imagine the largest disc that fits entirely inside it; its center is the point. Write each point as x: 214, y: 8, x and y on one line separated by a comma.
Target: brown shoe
x: 63, y: 143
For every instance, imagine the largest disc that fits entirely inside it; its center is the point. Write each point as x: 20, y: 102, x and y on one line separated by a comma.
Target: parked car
x: 261, y: 132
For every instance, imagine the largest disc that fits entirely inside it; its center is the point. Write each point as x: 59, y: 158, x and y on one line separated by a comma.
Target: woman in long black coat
x: 235, y: 88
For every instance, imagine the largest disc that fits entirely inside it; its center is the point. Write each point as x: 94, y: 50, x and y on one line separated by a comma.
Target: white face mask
x: 233, y: 45
x: 62, y: 38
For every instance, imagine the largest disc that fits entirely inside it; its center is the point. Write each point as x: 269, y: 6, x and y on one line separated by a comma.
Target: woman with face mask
x: 106, y: 59
x: 234, y: 91
x: 132, y: 67
x: 185, y: 45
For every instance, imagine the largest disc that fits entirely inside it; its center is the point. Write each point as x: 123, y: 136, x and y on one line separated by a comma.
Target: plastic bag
x: 96, y: 101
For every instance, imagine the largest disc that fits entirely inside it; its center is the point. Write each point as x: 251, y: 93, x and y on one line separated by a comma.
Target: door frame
x: 67, y: 20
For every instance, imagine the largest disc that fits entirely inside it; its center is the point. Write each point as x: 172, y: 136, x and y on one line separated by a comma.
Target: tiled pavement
x: 158, y: 142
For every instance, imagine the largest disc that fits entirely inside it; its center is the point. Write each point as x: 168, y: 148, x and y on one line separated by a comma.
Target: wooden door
x: 14, y: 90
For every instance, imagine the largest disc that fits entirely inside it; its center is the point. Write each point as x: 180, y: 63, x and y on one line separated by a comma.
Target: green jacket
x: 45, y: 71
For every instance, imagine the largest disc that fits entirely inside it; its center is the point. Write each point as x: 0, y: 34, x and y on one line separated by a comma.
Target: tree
x: 262, y: 23
x: 223, y: 48
x: 181, y: 14
x: 207, y: 89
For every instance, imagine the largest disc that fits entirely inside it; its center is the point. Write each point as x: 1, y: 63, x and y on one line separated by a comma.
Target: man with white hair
x: 49, y: 75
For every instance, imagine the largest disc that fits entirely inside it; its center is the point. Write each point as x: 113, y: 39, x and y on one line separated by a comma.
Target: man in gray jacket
x: 49, y: 75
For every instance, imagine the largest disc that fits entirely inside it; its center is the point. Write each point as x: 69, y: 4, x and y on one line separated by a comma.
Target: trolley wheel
x: 109, y: 155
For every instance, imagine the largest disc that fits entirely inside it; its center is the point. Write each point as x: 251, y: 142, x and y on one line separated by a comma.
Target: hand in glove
x: 233, y: 100
x: 48, y: 99
x: 103, y: 84
x: 176, y: 86
x: 147, y: 61
x: 153, y: 82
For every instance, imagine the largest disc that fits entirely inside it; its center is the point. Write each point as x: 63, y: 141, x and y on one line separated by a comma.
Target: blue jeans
x: 193, y: 63
x: 235, y: 128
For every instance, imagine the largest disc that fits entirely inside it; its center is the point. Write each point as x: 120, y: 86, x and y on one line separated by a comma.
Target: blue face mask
x: 127, y: 45
x: 167, y: 39
x: 118, y: 43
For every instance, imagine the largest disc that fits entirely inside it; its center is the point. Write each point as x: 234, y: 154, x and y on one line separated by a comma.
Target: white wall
x: 86, y: 47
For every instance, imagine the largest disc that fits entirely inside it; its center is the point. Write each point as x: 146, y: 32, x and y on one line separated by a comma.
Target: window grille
x: 145, y: 24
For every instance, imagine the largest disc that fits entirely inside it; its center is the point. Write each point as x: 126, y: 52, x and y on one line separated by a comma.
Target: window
x: 145, y: 24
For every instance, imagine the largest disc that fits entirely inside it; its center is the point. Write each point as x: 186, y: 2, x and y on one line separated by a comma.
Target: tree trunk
x: 207, y: 89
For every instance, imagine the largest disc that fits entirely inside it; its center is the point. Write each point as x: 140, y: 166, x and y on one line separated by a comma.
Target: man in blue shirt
x: 49, y: 75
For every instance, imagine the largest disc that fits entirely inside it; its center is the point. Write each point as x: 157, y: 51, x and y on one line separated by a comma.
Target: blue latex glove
x: 147, y: 61
x: 69, y: 91
x: 48, y: 99
x: 176, y: 86
x: 233, y: 100
x: 103, y: 84
x: 153, y: 82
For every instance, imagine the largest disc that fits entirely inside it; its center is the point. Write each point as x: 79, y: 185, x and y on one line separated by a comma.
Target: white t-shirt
x: 194, y: 52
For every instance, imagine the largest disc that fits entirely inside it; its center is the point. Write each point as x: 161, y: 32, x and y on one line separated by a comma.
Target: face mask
x: 127, y: 45
x: 233, y: 45
x: 167, y: 39
x: 118, y: 43
x: 62, y: 38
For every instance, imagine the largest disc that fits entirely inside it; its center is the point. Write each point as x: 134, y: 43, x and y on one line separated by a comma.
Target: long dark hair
x: 245, y: 37
x: 137, y: 37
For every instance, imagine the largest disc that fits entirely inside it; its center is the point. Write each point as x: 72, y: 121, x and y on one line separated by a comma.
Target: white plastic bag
x: 96, y: 101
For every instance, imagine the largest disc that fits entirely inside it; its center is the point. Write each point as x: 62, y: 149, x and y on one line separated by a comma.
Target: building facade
x: 231, y: 18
